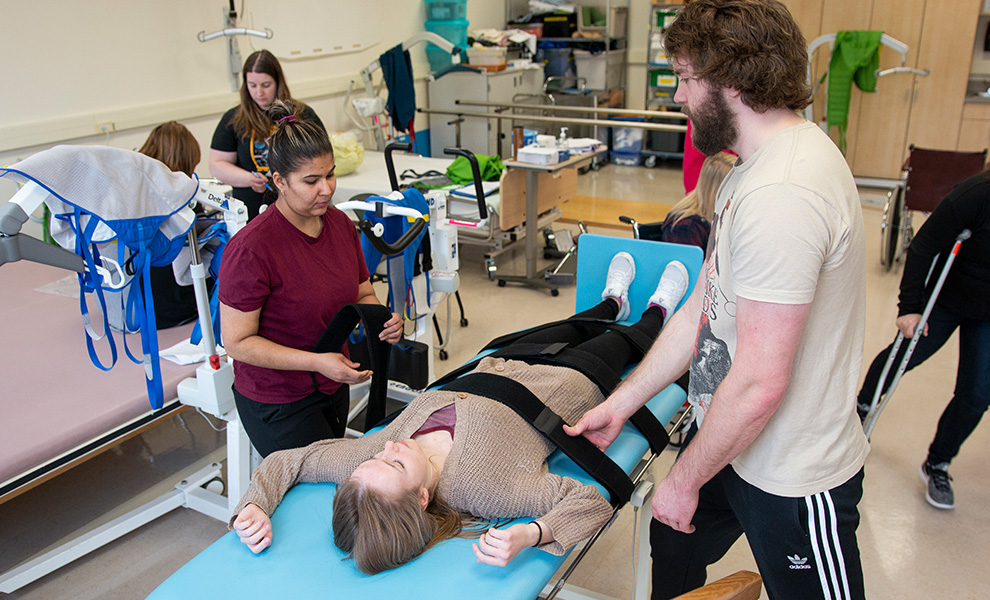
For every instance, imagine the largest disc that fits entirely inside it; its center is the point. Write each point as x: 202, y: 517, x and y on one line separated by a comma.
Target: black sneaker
x: 939, y: 492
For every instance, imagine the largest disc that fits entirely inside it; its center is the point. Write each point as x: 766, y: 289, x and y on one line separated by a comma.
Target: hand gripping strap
x: 373, y: 316
x: 588, y: 365
x: 517, y: 397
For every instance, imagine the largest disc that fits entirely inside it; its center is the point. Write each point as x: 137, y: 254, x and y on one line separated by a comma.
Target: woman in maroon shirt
x: 283, y: 278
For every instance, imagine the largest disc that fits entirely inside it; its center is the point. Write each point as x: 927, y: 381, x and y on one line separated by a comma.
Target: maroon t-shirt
x: 299, y: 283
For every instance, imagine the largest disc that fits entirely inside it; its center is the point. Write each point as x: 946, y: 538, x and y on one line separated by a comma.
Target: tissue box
x: 538, y: 156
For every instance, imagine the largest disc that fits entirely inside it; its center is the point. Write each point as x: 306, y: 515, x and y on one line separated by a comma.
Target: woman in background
x: 689, y: 221
x: 963, y: 304
x: 174, y: 145
x: 239, y: 150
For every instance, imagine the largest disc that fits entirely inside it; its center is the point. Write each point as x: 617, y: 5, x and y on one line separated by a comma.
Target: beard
x: 713, y: 126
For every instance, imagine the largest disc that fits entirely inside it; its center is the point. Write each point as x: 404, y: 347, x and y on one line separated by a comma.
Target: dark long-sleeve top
x: 966, y: 290
x: 496, y: 467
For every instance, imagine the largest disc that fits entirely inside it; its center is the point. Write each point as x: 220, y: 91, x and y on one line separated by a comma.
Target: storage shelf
x: 614, y: 43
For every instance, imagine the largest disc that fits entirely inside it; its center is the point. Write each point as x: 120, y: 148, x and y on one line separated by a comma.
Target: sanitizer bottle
x: 563, y: 148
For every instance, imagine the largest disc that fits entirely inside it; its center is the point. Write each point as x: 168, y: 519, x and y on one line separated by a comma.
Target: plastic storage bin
x: 602, y: 71
x: 593, y: 18
x: 454, y: 31
x: 446, y: 10
x: 490, y: 59
x: 439, y: 58
x: 557, y: 62
x: 627, y: 143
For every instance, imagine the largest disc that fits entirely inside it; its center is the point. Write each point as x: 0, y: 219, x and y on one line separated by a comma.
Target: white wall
x: 68, y: 66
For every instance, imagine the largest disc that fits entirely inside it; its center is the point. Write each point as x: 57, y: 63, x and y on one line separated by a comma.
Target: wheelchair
x: 927, y: 177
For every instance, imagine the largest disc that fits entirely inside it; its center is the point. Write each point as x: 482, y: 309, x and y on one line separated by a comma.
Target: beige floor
x: 909, y: 549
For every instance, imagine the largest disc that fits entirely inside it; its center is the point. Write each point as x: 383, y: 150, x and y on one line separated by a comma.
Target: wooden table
x: 531, y: 278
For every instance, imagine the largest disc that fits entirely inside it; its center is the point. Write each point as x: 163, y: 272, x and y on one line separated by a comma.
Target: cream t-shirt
x: 788, y: 229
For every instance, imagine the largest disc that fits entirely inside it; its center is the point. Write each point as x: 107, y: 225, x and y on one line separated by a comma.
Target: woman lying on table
x: 452, y: 458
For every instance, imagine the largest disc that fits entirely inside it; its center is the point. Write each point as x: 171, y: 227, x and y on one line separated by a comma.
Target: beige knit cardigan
x: 496, y: 467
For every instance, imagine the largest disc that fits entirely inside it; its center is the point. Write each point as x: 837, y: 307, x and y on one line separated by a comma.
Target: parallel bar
x: 555, y: 107
x: 565, y: 121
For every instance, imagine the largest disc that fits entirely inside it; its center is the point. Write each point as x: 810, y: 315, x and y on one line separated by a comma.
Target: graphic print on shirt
x: 711, y: 359
x: 259, y: 154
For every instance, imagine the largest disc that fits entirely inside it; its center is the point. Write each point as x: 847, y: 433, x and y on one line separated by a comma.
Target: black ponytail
x: 296, y: 140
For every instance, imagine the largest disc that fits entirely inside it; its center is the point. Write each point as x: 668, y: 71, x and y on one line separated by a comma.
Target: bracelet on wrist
x: 539, y: 539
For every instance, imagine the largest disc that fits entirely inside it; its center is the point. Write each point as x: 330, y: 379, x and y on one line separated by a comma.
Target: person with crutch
x: 963, y: 303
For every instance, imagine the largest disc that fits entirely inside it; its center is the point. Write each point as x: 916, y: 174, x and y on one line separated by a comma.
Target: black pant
x: 316, y: 417
x: 804, y: 547
x: 611, y: 347
x: 972, y: 393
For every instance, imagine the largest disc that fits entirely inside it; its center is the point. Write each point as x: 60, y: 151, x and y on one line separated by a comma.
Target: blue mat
x: 303, y: 562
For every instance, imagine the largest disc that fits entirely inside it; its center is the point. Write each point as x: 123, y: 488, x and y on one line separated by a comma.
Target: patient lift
x: 126, y: 223
x: 152, y: 217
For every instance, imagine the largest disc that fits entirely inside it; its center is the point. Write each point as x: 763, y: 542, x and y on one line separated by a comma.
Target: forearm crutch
x: 878, y: 403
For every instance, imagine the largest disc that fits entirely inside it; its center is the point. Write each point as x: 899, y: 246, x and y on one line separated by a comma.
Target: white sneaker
x: 673, y: 284
x: 621, y: 272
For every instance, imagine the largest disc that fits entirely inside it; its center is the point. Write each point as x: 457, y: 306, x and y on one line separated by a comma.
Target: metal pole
x: 556, y: 107
x: 565, y: 121
x: 878, y: 403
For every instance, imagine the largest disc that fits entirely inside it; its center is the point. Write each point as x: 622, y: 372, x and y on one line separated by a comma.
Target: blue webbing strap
x: 149, y: 330
x: 89, y: 280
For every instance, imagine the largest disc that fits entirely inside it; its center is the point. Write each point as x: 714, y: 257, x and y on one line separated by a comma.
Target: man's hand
x: 674, y: 509
x: 338, y: 368
x: 254, y: 528
x: 499, y: 546
x: 908, y: 323
x: 599, y: 425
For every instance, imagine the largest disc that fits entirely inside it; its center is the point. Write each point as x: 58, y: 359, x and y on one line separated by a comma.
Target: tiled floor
x: 909, y: 549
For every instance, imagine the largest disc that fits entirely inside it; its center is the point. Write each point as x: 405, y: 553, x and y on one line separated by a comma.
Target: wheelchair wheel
x: 890, y: 228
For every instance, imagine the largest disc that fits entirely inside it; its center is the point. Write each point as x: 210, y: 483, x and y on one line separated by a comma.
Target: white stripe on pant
x: 823, y: 529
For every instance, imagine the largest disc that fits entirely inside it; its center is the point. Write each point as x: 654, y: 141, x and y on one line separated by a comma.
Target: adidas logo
x: 798, y: 563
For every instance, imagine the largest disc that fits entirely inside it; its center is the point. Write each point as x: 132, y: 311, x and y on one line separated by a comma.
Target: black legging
x: 612, y: 347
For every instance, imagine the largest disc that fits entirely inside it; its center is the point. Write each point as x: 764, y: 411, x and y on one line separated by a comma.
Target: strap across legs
x: 373, y: 316
x: 517, y: 397
x: 638, y: 339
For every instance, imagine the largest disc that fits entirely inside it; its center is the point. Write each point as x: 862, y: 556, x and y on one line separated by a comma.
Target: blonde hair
x: 701, y: 200
x: 174, y: 145
x: 381, y: 533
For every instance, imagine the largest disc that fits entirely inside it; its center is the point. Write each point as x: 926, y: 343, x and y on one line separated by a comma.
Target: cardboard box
x: 538, y: 156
